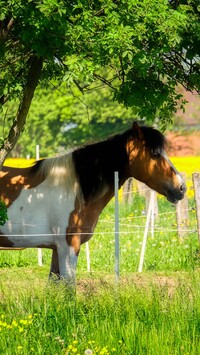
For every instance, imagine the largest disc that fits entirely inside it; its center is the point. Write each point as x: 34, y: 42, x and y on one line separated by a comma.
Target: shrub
x: 3, y: 213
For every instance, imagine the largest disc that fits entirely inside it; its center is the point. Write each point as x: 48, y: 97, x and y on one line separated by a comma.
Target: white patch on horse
x: 178, y: 175
x: 46, y: 208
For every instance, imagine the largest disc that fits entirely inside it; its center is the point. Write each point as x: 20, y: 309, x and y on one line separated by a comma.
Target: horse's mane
x: 59, y: 171
x: 95, y: 163
x: 155, y: 141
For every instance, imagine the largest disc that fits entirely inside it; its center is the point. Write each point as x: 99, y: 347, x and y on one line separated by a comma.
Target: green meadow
x: 154, y: 312
x: 141, y: 315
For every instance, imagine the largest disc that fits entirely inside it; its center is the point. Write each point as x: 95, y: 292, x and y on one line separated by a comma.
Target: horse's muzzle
x: 174, y: 195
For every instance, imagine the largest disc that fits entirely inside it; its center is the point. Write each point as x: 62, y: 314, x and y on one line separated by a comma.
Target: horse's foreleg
x: 68, y: 250
x: 54, y: 269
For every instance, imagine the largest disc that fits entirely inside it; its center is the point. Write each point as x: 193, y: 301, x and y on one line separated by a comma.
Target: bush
x: 3, y: 213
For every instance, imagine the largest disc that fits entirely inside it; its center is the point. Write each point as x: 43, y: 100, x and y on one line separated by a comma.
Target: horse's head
x: 149, y: 163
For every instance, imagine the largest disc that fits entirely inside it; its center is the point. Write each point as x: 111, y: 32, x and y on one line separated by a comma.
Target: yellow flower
x: 91, y: 342
x: 3, y: 324
x: 104, y: 351
x: 14, y: 323
x: 23, y: 321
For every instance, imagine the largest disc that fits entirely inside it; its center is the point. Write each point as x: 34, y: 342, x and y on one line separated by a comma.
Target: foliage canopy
x: 59, y: 119
x: 140, y: 49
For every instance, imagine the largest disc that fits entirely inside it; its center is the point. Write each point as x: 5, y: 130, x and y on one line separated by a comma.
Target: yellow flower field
x: 187, y: 165
x: 19, y: 162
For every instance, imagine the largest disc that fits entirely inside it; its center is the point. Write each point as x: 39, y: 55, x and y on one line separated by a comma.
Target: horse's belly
x: 25, y: 235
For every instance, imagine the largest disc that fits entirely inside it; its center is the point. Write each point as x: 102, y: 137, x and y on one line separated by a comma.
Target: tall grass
x: 140, y: 315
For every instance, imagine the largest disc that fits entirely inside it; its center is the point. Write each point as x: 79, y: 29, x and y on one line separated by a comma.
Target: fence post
x: 87, y: 249
x: 154, y: 211
x: 148, y: 195
x: 116, y: 184
x: 128, y: 191
x: 182, y: 214
x: 146, y: 231
x: 37, y: 155
x: 141, y: 188
x: 196, y: 184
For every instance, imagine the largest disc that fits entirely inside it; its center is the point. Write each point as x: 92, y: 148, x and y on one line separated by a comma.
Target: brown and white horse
x: 57, y: 202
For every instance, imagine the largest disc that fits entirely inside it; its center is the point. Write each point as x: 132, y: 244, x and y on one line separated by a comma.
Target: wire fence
x: 147, y: 223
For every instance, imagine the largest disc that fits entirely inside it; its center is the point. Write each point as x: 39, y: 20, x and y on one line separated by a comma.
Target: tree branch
x: 5, y: 29
x: 3, y: 100
x: 33, y: 77
x: 103, y: 80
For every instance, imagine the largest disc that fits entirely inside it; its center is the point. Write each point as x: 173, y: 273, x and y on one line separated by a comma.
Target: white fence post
x: 152, y: 196
x: 127, y: 195
x: 196, y: 184
x: 37, y: 154
x: 116, y: 185
x: 87, y: 249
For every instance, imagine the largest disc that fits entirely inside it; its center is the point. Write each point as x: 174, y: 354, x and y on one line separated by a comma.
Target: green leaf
x: 3, y: 213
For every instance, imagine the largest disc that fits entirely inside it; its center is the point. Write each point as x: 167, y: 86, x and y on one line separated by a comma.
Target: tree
x: 145, y: 47
x: 59, y: 120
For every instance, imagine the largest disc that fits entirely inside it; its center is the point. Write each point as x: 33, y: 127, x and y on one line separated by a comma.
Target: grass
x: 140, y: 315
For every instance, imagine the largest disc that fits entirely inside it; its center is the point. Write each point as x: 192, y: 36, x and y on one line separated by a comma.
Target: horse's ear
x: 137, y: 130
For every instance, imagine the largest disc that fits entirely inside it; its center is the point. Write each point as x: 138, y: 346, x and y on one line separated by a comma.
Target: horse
x: 56, y: 202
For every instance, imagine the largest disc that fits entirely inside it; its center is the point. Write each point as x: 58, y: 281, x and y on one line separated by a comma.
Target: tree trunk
x: 20, y: 120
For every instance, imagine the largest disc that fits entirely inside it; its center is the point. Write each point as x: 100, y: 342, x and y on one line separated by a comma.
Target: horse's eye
x: 156, y: 155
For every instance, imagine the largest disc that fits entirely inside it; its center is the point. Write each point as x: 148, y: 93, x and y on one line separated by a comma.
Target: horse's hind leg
x: 54, y: 269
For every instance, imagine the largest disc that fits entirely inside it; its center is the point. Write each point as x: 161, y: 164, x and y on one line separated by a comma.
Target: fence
x: 150, y: 216
x: 182, y: 209
x: 151, y: 212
